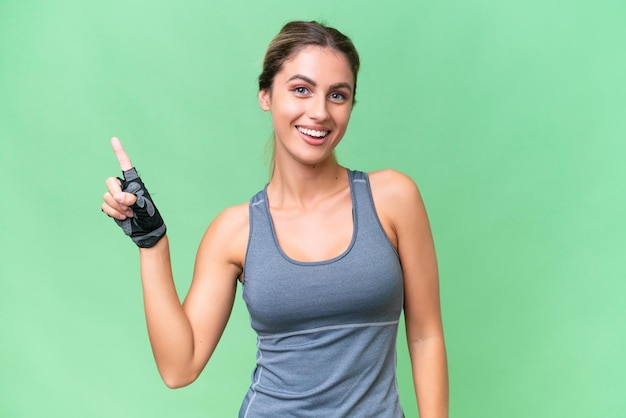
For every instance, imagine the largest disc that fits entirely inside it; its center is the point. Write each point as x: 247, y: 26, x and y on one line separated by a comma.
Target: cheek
x: 343, y: 117
x: 285, y: 110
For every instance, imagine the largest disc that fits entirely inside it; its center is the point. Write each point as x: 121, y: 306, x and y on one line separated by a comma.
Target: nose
x: 318, y: 108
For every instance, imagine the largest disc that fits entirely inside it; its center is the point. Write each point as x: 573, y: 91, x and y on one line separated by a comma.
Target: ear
x: 265, y: 99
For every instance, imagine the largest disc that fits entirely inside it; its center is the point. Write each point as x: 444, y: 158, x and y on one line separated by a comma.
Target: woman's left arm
x: 404, y: 217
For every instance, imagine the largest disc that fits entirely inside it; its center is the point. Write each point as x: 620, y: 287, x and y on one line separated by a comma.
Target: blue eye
x: 337, y: 97
x: 301, y: 90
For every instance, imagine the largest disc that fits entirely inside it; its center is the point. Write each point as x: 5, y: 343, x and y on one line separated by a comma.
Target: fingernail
x: 119, y: 197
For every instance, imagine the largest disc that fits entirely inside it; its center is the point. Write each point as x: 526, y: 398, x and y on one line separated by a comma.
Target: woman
x: 328, y: 258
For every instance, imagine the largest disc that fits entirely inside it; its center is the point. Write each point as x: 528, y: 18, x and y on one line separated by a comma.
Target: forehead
x: 320, y: 64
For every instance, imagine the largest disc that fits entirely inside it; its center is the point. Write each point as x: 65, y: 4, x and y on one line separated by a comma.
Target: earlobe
x: 264, y: 100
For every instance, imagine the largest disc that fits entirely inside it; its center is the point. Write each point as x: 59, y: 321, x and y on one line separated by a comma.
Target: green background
x: 510, y: 115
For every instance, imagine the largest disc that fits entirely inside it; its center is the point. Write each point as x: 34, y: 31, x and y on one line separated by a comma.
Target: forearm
x: 169, y: 329
x: 430, y: 376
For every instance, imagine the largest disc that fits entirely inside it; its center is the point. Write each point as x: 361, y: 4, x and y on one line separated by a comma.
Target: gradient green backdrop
x: 510, y: 115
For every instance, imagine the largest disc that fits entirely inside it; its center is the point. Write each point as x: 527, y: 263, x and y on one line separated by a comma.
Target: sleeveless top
x: 326, y: 330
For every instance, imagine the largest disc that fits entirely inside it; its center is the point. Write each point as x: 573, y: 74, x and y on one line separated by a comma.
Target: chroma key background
x: 510, y: 115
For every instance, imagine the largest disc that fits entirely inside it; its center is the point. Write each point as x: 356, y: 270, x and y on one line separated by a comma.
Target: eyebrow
x: 314, y: 84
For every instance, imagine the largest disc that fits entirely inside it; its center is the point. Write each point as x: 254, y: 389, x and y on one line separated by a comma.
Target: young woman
x: 328, y: 258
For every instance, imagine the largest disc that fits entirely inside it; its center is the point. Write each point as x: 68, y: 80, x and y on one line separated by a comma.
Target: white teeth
x: 311, y: 132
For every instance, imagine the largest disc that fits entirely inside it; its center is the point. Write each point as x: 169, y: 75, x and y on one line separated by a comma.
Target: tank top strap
x: 363, y: 203
x: 258, y: 198
x: 257, y: 207
x: 260, y: 221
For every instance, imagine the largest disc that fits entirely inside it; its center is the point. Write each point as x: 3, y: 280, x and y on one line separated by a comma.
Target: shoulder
x: 232, y: 217
x: 392, y: 178
x: 398, y: 204
x: 232, y: 221
x: 228, y: 234
x: 393, y: 188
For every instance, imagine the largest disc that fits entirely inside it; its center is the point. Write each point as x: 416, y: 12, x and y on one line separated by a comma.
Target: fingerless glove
x: 146, y: 228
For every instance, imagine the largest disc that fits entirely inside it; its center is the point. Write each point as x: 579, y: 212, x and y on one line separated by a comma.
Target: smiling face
x: 310, y: 101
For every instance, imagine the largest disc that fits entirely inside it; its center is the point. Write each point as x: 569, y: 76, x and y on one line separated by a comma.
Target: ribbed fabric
x: 326, y: 330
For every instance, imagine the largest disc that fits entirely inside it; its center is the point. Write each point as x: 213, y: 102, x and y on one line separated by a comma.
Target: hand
x: 128, y: 202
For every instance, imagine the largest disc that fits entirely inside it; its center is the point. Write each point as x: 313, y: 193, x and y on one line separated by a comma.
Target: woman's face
x: 311, y: 102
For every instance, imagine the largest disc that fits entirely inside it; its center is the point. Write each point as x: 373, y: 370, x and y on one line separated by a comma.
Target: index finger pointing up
x: 125, y: 163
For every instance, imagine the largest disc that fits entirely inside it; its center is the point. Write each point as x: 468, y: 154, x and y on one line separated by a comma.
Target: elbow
x: 178, y: 380
x: 174, y: 383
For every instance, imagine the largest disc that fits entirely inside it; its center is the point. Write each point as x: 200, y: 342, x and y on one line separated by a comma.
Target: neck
x: 305, y: 185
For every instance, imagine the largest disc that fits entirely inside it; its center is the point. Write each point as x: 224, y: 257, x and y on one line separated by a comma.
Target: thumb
x: 127, y: 199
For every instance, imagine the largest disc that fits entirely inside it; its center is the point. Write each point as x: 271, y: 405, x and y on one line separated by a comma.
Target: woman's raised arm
x: 183, y: 336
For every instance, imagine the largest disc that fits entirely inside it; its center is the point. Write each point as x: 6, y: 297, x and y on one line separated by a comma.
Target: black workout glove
x: 146, y: 228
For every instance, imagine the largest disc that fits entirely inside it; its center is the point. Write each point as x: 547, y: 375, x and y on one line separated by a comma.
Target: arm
x: 402, y: 210
x: 183, y: 336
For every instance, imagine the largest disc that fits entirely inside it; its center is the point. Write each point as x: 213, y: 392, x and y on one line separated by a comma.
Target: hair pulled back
x: 297, y: 35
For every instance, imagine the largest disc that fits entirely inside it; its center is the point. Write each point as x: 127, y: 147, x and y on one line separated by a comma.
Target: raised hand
x: 128, y: 202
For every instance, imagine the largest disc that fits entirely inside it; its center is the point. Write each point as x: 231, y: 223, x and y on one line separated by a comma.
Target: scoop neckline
x: 317, y: 262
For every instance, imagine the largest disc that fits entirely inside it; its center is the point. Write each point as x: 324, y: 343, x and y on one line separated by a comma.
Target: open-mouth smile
x: 312, y: 132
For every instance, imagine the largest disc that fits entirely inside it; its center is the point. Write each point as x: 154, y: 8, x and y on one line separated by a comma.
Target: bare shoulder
x: 398, y: 203
x: 228, y: 234
x: 232, y: 218
x: 394, y: 190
